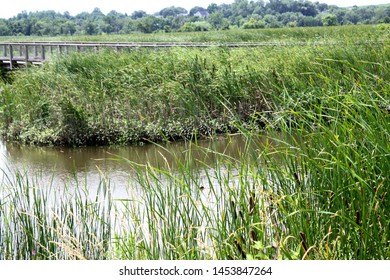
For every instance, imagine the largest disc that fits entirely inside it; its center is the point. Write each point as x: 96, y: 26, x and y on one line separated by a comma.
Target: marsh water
x: 59, y: 164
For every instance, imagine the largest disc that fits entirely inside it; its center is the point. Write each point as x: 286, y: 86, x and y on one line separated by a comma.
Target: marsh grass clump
x: 314, y: 190
x: 43, y: 220
x: 110, y: 98
x: 332, y: 172
x: 162, y: 95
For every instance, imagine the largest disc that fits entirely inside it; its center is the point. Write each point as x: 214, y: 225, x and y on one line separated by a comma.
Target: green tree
x: 218, y: 21
x: 4, y: 30
x: 353, y: 17
x: 329, y: 20
x: 196, y: 9
x: 196, y: 26
x: 241, y: 13
x: 113, y: 22
x: 271, y: 21
x: 138, y: 14
x: 382, y: 15
x: 307, y: 9
x: 130, y: 25
x: 212, y: 8
x: 188, y: 27
x: 289, y: 18
x: 242, y: 8
x: 278, y: 6
x: 90, y: 27
x: 340, y: 15
x: 172, y: 11
x: 97, y: 14
x: 253, y: 24
x: 69, y: 28
x: 174, y: 22
x: 309, y: 21
x: 149, y: 24
x: 259, y: 7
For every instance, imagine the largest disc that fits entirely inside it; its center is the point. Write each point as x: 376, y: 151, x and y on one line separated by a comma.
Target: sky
x: 13, y: 7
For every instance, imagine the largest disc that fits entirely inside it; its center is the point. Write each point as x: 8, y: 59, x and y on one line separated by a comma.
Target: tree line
x: 243, y: 14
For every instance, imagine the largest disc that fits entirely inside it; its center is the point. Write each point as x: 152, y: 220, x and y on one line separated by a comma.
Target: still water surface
x: 89, y: 163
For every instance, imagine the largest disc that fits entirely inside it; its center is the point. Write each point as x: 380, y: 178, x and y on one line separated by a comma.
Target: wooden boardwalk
x: 23, y: 54
x: 16, y: 54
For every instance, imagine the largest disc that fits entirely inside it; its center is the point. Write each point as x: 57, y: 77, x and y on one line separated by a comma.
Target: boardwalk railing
x: 15, y: 54
x: 22, y: 54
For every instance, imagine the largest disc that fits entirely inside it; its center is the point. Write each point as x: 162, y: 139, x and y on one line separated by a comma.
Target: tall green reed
x: 47, y: 220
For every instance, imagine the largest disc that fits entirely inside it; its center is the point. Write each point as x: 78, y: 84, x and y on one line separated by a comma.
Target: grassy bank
x: 157, y: 95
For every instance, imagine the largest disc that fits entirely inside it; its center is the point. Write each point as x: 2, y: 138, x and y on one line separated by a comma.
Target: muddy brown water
x: 59, y: 164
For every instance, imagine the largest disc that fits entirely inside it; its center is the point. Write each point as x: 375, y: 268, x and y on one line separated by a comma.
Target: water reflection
x: 3, y: 156
x: 66, y: 161
x: 62, y: 165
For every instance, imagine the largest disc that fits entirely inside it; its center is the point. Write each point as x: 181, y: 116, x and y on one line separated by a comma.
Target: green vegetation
x: 315, y: 189
x: 311, y: 183
x: 169, y: 94
x: 53, y: 222
x: 241, y: 14
x: 283, y: 35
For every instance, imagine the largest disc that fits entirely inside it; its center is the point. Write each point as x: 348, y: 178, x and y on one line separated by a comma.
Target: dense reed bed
x: 311, y: 183
x: 156, y: 95
x: 307, y: 34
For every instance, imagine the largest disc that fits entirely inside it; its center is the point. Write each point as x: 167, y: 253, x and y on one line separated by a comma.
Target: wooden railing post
x: 11, y: 57
x: 43, y: 53
x: 26, y: 55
